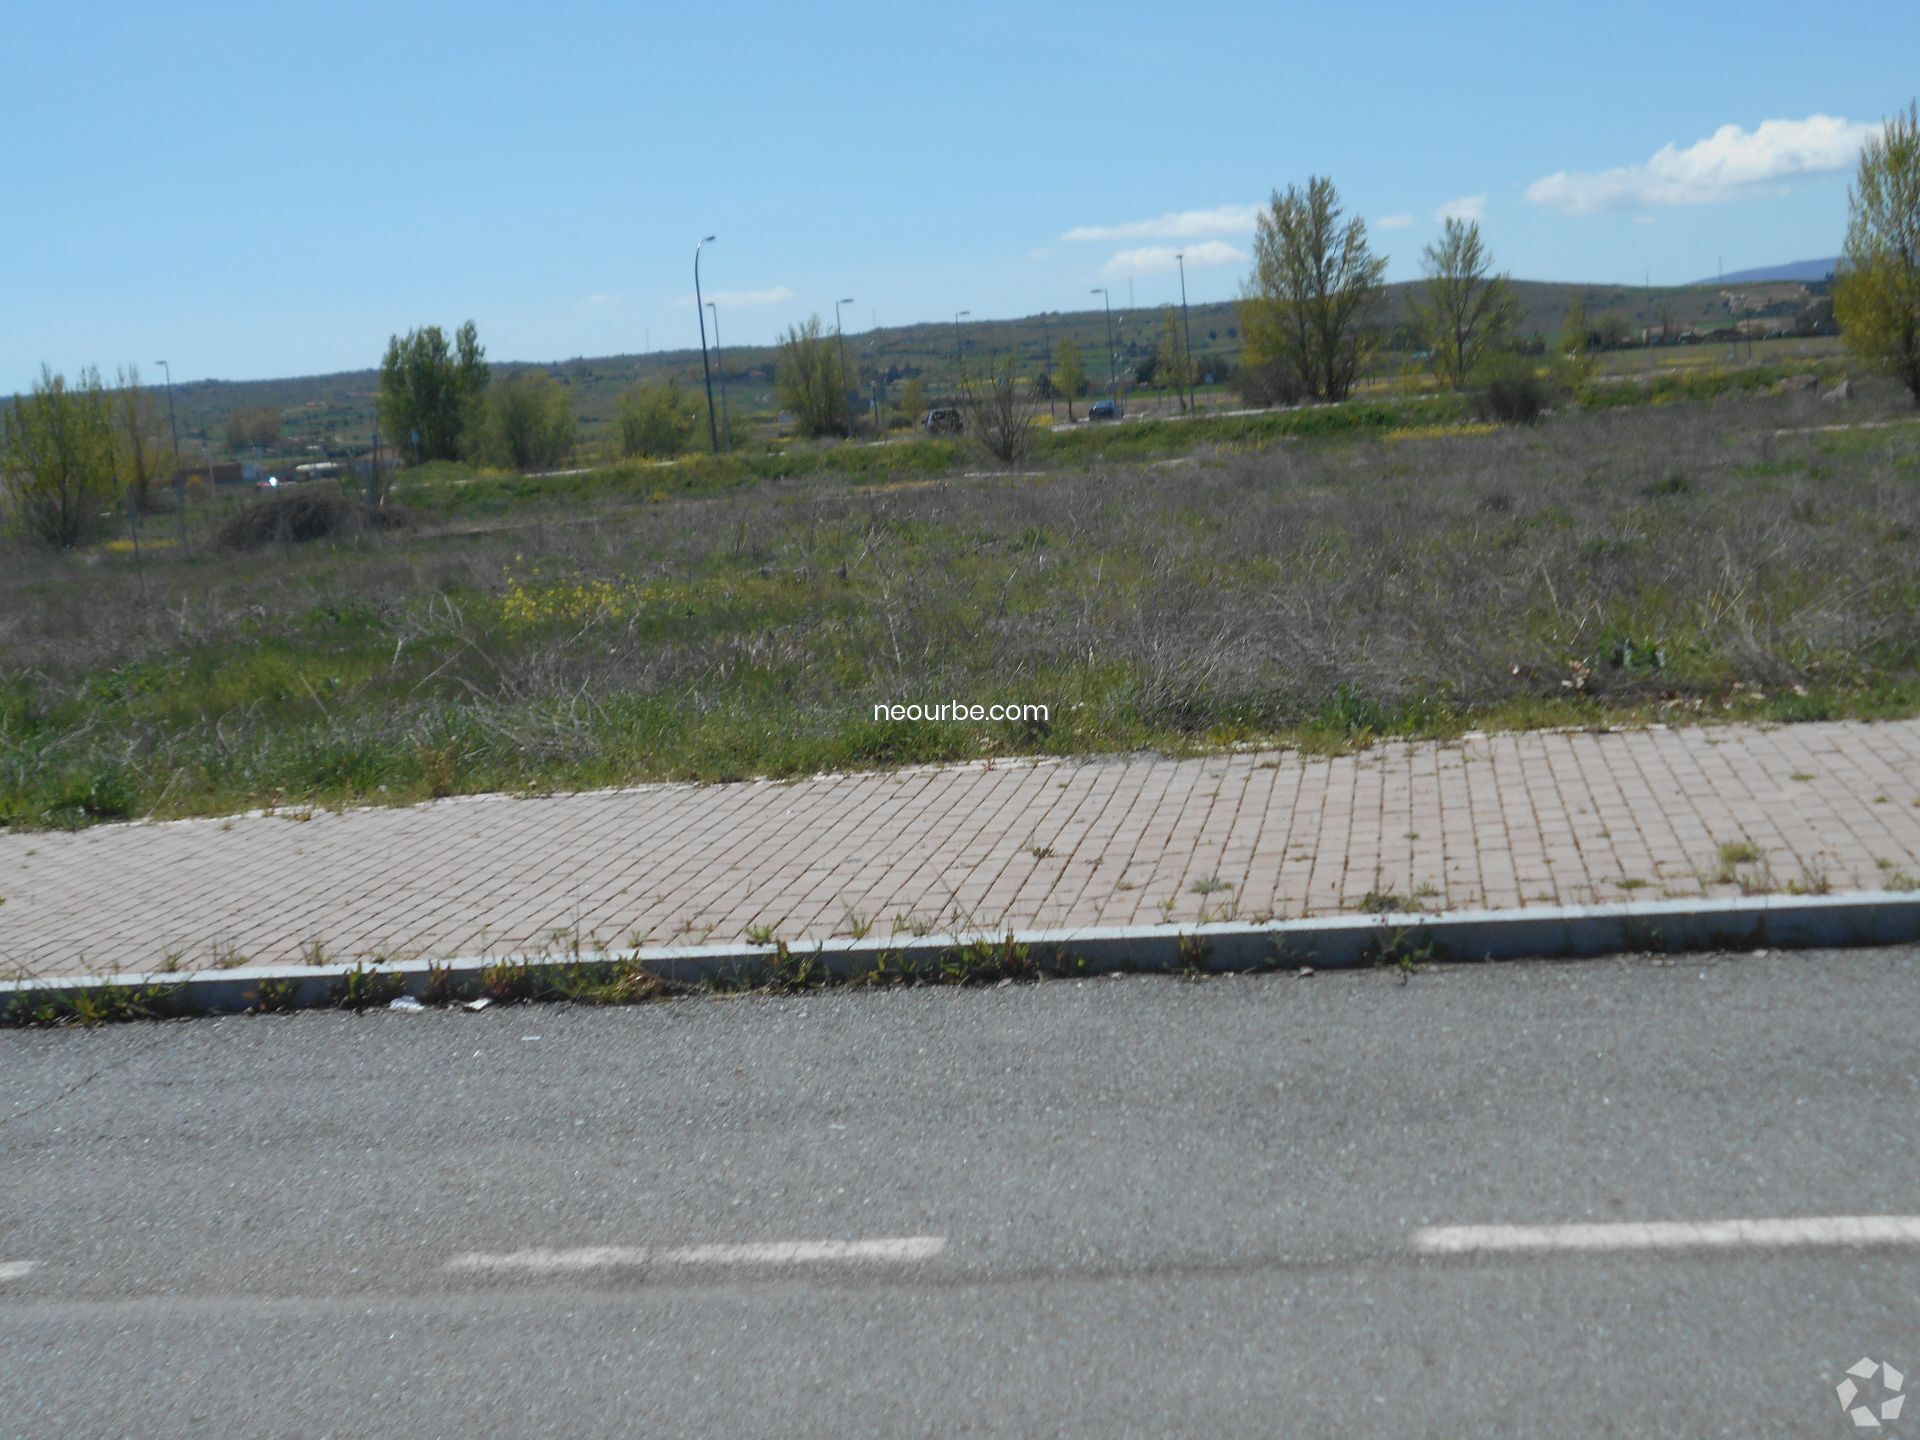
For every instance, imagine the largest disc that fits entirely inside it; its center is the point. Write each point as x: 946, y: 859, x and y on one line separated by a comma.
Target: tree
x: 57, y: 460
x: 430, y: 393
x: 811, y: 384
x: 1173, y: 365
x: 913, y: 400
x: 1467, y: 311
x: 141, y: 460
x: 995, y: 416
x: 656, y: 420
x: 1314, y: 286
x: 1876, y: 294
x: 256, y: 428
x: 1611, y: 330
x: 1069, y: 372
x: 1576, y: 335
x: 526, y: 423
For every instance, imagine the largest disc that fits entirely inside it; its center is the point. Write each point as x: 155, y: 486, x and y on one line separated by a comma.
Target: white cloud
x: 1393, y: 222
x: 1465, y: 207
x: 601, y: 297
x: 743, y: 299
x: 1176, y: 225
x: 1728, y: 163
x: 1643, y: 219
x: 1152, y: 259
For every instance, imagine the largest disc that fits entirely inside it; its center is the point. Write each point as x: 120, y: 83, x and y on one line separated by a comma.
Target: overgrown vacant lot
x: 1662, y: 562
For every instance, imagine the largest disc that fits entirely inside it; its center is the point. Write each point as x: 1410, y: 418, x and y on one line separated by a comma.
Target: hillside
x: 1802, y: 271
x: 336, y: 411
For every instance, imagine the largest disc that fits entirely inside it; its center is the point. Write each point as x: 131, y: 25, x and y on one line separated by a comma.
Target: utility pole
x: 1186, y: 326
x: 840, y: 336
x: 959, y: 355
x: 720, y: 361
x: 1113, y: 380
x: 179, y: 475
x: 699, y: 305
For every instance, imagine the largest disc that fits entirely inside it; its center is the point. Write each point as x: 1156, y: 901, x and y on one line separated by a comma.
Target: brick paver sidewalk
x: 1484, y: 822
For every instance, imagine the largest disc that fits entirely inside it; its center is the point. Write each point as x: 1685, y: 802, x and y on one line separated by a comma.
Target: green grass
x: 1322, y: 593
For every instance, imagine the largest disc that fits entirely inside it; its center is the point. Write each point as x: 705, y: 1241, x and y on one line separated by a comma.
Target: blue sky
x: 258, y: 190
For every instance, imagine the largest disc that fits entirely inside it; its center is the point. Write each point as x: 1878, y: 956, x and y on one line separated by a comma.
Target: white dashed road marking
x: 1672, y: 1234
x: 15, y: 1269
x: 781, y: 1252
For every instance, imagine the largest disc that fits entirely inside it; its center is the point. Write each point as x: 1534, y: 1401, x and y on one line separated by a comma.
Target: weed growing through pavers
x: 1732, y: 856
x: 1387, y: 902
x: 1211, y: 885
x: 1815, y: 880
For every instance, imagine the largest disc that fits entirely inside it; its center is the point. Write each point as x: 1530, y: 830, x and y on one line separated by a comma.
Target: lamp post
x: 1186, y: 325
x: 959, y: 355
x: 1113, y: 380
x: 840, y: 338
x: 172, y: 428
x: 179, y: 476
x: 700, y: 306
x: 719, y: 359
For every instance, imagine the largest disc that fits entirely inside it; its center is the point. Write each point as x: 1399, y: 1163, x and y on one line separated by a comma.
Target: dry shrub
x: 301, y: 515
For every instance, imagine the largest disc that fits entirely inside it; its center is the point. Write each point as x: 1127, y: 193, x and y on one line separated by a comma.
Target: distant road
x: 1116, y: 1207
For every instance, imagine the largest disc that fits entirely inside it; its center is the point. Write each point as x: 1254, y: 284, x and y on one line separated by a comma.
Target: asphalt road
x: 1116, y: 1207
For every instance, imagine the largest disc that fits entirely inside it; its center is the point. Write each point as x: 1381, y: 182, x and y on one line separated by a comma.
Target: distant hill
x: 1801, y: 270
x: 334, y: 413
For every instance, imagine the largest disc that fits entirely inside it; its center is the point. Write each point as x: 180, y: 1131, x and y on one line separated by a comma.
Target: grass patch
x: 1321, y: 594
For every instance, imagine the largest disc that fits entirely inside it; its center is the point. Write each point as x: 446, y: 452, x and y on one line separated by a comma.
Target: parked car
x: 1103, y: 410
x: 942, y: 421
x: 272, y: 482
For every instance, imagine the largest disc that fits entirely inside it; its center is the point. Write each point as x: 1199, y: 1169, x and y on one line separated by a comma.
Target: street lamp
x: 699, y: 305
x: 840, y: 337
x: 959, y: 355
x: 179, y: 475
x: 1186, y: 324
x: 172, y: 428
x: 719, y: 360
x: 1113, y: 380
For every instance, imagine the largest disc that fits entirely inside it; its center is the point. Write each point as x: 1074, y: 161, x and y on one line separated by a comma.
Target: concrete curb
x: 1537, y: 932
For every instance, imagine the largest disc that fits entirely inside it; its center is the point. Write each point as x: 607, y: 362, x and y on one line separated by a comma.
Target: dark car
x: 944, y: 421
x: 1103, y: 410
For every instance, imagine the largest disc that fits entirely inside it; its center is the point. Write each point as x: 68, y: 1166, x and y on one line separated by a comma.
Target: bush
x: 1269, y: 382
x: 322, y: 513
x: 526, y: 423
x: 57, y: 460
x: 656, y: 420
x: 1515, y: 392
